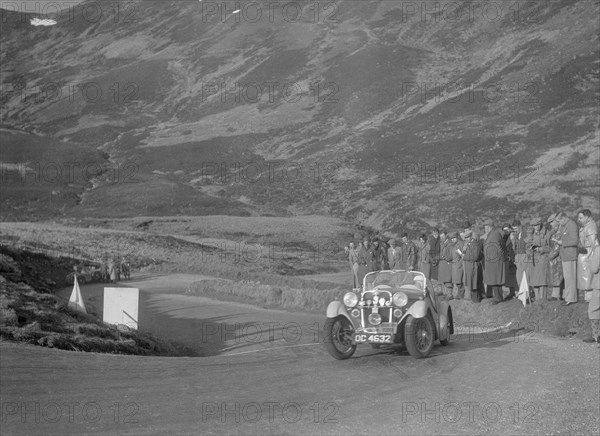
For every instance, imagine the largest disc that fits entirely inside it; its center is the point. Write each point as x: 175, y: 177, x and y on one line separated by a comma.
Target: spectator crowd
x: 558, y: 259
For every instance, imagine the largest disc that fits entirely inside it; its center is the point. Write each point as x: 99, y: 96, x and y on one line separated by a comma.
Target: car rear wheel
x: 419, y: 334
x: 338, y: 337
x: 447, y: 328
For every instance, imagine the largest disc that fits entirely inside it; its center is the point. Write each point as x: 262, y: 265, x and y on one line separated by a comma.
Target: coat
x: 494, y: 271
x: 424, y: 265
x: 555, y: 277
x: 409, y: 256
x: 594, y: 305
x: 362, y: 256
x: 434, y: 256
x: 445, y: 264
x: 393, y: 257
x: 472, y: 254
x: 587, y: 238
x: 510, y: 266
x: 457, y: 264
x: 541, y: 261
x: 569, y: 238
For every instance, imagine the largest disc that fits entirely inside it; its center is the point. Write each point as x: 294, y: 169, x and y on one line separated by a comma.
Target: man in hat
x: 393, y: 255
x: 445, y: 263
x: 457, y: 266
x: 409, y: 254
x: 494, y: 272
x: 517, y: 239
x: 510, y: 267
x: 568, y: 238
x: 433, y: 242
x: 540, y: 248
x: 472, y: 254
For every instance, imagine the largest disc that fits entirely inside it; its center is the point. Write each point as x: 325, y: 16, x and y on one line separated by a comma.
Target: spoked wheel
x: 419, y: 334
x: 338, y: 337
x: 447, y: 328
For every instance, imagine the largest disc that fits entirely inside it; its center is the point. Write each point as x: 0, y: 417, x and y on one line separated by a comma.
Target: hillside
x: 389, y: 114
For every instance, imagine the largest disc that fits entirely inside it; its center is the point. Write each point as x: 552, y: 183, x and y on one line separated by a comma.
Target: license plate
x: 373, y: 338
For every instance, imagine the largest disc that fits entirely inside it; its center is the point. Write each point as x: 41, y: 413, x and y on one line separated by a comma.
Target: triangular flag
x: 523, y: 294
x: 76, y: 300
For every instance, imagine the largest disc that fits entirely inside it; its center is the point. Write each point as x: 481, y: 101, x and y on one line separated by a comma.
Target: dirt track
x: 267, y: 376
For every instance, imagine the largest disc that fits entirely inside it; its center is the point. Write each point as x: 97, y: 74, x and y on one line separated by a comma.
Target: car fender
x: 418, y: 309
x: 336, y: 308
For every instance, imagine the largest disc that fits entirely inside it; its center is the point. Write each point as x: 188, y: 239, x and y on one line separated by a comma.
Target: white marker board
x: 121, y: 306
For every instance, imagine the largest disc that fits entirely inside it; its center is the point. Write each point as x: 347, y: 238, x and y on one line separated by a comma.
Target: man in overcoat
x: 494, y: 274
x: 457, y: 266
x: 472, y: 254
x: 434, y: 253
x: 393, y: 255
x: 409, y: 254
x: 568, y: 238
x: 445, y: 264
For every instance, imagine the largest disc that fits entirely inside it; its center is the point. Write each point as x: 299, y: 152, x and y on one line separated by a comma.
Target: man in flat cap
x: 494, y: 273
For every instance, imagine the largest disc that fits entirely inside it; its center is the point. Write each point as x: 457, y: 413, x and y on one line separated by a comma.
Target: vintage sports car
x: 393, y: 307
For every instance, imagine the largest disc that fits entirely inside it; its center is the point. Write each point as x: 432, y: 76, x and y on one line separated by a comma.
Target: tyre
x: 338, y: 337
x: 97, y: 276
x: 419, y: 334
x: 447, y: 329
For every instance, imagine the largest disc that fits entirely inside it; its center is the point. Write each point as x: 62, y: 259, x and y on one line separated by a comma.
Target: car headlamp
x: 374, y: 319
x: 398, y: 313
x: 355, y: 313
x: 400, y: 299
x: 350, y: 299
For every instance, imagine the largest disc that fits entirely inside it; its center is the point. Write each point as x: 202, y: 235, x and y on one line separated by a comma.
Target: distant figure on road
x: 112, y: 270
x: 125, y: 268
x: 104, y: 271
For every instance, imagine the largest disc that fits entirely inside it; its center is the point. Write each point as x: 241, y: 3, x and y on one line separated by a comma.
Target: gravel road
x: 268, y: 374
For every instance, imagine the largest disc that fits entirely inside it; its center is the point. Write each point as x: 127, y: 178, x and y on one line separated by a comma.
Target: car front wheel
x: 338, y: 337
x: 447, y: 328
x: 419, y: 334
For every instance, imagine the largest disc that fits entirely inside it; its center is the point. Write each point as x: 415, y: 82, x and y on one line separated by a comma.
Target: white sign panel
x: 121, y: 306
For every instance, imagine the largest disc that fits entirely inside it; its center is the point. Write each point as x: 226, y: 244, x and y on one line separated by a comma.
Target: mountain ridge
x: 392, y: 118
